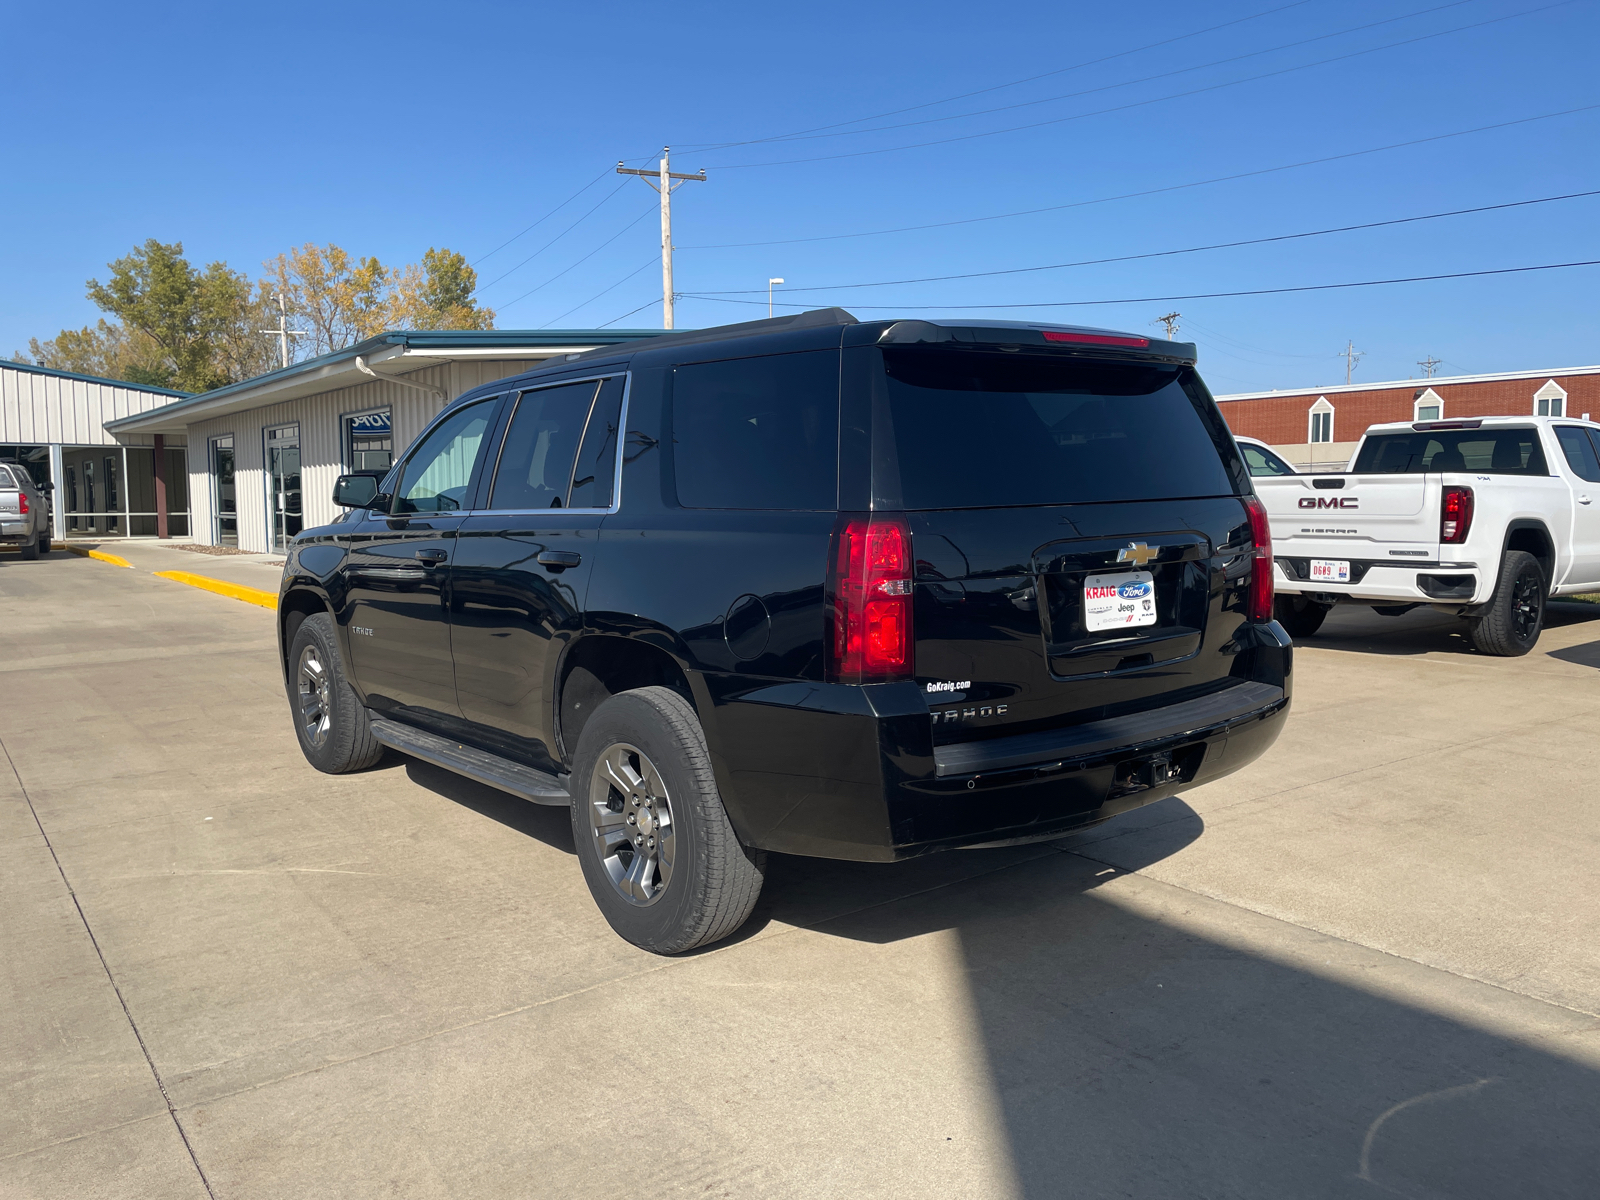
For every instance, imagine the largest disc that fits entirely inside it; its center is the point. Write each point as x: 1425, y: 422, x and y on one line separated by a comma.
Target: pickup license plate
x: 1122, y: 601
x: 1328, y: 570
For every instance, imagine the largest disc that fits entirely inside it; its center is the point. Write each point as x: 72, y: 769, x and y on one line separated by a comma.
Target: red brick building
x: 1319, y: 427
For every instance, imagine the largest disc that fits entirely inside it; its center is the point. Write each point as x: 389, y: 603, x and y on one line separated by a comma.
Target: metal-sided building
x: 264, y: 454
x: 54, y: 422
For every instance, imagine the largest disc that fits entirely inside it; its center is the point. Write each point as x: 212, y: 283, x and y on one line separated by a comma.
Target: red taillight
x: 1455, y: 514
x: 1094, y: 339
x: 22, y: 499
x: 869, y: 584
x: 1260, y: 605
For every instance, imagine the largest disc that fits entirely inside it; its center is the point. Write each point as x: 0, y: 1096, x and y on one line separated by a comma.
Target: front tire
x: 658, y: 852
x: 330, y: 721
x: 1301, y: 617
x: 45, y: 543
x: 1511, y: 622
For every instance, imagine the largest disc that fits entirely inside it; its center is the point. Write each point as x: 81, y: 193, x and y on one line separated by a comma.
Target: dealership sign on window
x: 370, y: 424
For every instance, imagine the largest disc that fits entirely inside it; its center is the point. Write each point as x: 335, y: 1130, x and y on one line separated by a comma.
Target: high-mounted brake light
x: 1259, y: 607
x: 1455, y: 515
x: 1095, y: 339
x: 869, y: 592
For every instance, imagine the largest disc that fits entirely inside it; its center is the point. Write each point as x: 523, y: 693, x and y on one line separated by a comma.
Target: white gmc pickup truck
x: 1483, y: 517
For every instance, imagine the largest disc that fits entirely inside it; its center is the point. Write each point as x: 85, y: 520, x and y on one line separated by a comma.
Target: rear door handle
x: 559, y: 558
x: 1583, y: 499
x: 432, y: 556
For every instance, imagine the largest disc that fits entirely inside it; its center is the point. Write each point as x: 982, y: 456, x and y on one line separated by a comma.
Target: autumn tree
x: 334, y: 297
x: 437, y: 294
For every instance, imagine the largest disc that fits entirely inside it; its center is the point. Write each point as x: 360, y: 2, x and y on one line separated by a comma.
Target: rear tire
x: 30, y: 550
x: 658, y: 852
x: 1301, y: 617
x: 329, y: 719
x: 1510, y: 623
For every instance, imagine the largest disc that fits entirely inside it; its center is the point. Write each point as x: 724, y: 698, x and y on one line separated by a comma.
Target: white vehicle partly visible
x: 1261, y: 459
x: 1484, y: 518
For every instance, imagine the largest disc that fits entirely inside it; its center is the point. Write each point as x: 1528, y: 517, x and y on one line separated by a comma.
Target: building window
x: 369, y: 440
x: 1321, y: 421
x: 1429, y: 406
x: 1550, y: 400
x: 224, y: 498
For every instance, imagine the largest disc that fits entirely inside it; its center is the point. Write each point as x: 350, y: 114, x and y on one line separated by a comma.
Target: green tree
x: 334, y: 297
x: 437, y: 294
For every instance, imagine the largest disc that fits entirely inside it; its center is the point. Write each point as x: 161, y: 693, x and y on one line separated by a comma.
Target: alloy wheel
x: 1527, y: 604
x: 315, y: 697
x: 630, y: 817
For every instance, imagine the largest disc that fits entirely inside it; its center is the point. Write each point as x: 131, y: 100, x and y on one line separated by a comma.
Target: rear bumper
x: 15, y: 531
x: 851, y: 772
x: 1409, y: 584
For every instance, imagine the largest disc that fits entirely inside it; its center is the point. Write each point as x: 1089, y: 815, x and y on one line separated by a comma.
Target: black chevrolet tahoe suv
x: 813, y: 585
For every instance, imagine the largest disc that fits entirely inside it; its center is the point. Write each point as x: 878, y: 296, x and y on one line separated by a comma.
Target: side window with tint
x: 1579, y: 448
x: 437, y: 474
x: 593, y: 477
x: 541, y: 447
x: 759, y: 433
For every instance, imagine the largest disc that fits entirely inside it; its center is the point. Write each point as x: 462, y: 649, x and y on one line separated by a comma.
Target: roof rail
x: 810, y: 319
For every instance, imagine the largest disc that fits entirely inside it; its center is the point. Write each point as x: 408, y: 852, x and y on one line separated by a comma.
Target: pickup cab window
x: 1485, y: 451
x: 1579, y: 445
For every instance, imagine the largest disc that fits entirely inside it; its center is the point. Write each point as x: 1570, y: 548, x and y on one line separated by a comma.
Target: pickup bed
x: 1484, y: 518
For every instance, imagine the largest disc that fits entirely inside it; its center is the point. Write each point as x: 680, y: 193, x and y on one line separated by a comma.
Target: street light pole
x: 770, y: 282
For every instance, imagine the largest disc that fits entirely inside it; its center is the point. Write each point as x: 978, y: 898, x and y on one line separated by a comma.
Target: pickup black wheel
x: 658, y: 853
x: 1301, y: 617
x: 1511, y: 621
x: 30, y: 550
x: 44, y: 543
x: 329, y: 719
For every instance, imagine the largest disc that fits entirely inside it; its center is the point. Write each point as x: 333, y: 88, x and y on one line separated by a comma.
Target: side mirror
x: 356, y: 491
x: 48, y: 487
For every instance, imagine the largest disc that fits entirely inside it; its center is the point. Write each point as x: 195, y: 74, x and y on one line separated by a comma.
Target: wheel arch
x: 598, y: 666
x: 1533, y: 537
x: 294, y: 606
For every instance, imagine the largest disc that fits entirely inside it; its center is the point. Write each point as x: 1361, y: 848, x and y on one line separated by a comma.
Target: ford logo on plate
x: 1134, y: 591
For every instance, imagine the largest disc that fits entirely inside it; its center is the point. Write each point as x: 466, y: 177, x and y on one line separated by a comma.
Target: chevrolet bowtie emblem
x: 1137, y: 553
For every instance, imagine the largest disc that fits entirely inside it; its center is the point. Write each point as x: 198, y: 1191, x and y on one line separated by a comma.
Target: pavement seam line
x: 78, y: 1137
x: 110, y: 978
x: 665, y: 966
x: 1349, y: 941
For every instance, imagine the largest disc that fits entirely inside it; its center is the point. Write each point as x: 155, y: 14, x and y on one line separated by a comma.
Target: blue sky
x: 241, y: 131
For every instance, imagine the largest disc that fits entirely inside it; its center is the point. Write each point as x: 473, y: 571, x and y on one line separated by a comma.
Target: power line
x: 647, y: 263
x: 547, y: 245
x: 1315, y: 287
x: 1132, y: 104
x: 630, y: 312
x: 1095, y: 262
x: 544, y: 218
x: 1175, y: 187
x: 1220, y: 62
x: 580, y: 262
x: 1093, y: 62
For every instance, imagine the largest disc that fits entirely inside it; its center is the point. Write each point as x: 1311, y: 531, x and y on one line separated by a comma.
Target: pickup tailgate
x: 1365, y: 518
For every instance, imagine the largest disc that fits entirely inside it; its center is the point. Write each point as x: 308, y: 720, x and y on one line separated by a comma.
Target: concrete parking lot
x: 1367, y: 965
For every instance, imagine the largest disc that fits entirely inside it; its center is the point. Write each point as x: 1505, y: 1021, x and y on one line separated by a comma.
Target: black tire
x: 329, y: 719
x: 700, y: 883
x: 1301, y: 617
x: 1510, y: 623
x: 45, y: 543
x: 30, y: 550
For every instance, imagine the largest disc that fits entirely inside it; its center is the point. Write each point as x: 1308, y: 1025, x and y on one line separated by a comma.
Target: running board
x: 487, y: 768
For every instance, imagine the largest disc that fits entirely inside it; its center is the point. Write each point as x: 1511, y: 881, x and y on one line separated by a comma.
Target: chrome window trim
x: 616, y: 478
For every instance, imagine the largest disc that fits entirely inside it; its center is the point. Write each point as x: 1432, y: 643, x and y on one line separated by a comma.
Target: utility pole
x: 1171, y: 322
x: 770, y: 282
x: 1351, y: 357
x: 283, y: 333
x: 662, y: 182
x: 1428, y: 364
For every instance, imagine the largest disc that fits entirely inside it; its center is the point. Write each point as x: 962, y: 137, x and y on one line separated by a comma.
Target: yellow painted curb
x: 236, y: 591
x: 114, y: 559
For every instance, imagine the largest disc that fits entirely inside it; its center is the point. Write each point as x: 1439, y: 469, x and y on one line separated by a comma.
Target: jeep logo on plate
x: 1330, y: 502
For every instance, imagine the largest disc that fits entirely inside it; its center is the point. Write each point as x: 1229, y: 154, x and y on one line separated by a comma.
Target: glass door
x: 283, y: 483
x: 225, y: 503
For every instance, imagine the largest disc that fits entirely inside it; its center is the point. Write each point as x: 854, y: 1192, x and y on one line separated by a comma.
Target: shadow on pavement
x: 1585, y: 655
x: 546, y: 823
x: 1422, y: 630
x: 1135, y: 1057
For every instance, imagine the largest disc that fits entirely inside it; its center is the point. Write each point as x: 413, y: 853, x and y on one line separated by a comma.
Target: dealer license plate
x: 1121, y: 601
x: 1328, y: 570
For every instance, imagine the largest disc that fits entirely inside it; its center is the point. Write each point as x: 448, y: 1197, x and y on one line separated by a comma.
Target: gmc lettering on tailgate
x: 1330, y: 502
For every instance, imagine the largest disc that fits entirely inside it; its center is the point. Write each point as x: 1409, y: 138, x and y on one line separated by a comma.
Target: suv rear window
x: 974, y: 429
x: 758, y: 432
x: 1487, y: 451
